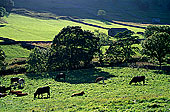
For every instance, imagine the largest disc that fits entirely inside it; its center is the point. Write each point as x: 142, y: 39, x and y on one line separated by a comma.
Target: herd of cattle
x: 15, y: 81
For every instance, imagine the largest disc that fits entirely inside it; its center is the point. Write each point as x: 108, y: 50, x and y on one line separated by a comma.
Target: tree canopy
x: 3, y: 12
x: 72, y: 48
x: 157, y: 45
x: 7, y: 4
x: 152, y: 29
x: 122, y: 50
x: 37, y: 60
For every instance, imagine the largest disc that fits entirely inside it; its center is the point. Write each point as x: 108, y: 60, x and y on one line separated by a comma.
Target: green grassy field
x: 32, y: 29
x: 115, y: 95
x: 14, y: 51
x: 112, y: 25
x: 24, y: 28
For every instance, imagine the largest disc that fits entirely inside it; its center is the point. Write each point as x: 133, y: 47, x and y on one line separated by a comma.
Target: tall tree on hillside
x: 3, y: 12
x: 72, y: 48
x: 123, y: 49
x: 7, y: 4
x: 157, y: 45
x: 104, y: 41
x: 101, y: 13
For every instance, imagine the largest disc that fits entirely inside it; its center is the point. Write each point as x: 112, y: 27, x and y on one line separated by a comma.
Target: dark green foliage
x: 157, y: 45
x: 104, y: 41
x: 123, y: 49
x: 72, y: 48
x: 104, y: 38
x: 7, y: 4
x: 3, y: 12
x: 114, y: 54
x: 2, y: 60
x: 151, y: 29
x: 37, y: 60
x: 101, y: 13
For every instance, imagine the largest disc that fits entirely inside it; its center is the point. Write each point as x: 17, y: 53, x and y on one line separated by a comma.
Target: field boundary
x: 71, y: 19
x: 25, y: 44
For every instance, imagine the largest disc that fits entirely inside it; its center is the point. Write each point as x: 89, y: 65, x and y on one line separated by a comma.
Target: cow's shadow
x: 2, y: 25
x: 75, y: 76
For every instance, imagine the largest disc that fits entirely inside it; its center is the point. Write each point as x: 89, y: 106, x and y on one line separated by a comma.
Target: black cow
x: 60, y: 75
x: 137, y: 79
x: 14, y: 79
x: 41, y: 91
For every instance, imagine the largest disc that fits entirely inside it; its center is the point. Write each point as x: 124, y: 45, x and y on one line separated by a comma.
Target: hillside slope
x: 142, y: 11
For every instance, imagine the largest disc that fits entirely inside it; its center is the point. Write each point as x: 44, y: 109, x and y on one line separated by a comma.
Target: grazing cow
x: 60, y: 75
x: 98, y: 79
x: 41, y: 91
x: 78, y: 94
x: 3, y: 89
x: 15, y: 85
x: 21, y: 82
x: 137, y: 79
x: 21, y: 94
x: 2, y: 95
x: 14, y: 92
x: 14, y: 79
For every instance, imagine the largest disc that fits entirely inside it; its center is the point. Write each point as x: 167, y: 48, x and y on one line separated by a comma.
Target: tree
x: 122, y: 49
x: 37, y: 60
x: 114, y: 54
x: 152, y: 29
x: 3, y: 12
x: 157, y: 45
x: 101, y: 13
x: 7, y: 4
x: 2, y: 60
x: 72, y: 48
x: 104, y: 41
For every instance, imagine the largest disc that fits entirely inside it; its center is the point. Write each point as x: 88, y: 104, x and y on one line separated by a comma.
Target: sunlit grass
x: 14, y: 51
x: 115, y: 94
x: 32, y: 29
x: 25, y: 28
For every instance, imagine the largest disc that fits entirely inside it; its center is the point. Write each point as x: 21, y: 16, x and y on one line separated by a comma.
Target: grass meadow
x: 114, y: 95
x: 24, y: 28
x: 15, y: 51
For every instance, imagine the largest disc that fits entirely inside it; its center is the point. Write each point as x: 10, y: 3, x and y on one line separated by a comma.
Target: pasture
x: 14, y: 51
x: 115, y: 95
x: 24, y: 28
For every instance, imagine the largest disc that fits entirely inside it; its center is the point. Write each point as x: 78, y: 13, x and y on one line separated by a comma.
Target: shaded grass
x: 115, y: 95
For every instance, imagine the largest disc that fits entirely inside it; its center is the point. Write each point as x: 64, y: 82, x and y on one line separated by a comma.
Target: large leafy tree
x: 122, y: 49
x: 72, y: 48
x: 37, y: 60
x: 152, y: 29
x: 157, y: 45
x: 104, y: 41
